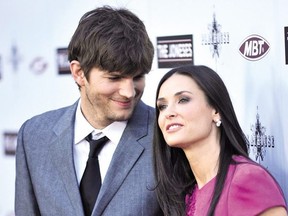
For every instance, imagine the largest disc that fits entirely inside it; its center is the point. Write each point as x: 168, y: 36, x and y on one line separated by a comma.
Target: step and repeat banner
x: 246, y: 42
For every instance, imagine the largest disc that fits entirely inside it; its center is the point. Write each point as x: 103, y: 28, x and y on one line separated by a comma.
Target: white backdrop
x: 37, y: 28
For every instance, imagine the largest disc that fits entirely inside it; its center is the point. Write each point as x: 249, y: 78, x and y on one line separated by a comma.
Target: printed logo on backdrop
x: 173, y: 51
x: 259, y: 142
x: 286, y: 44
x: 254, y: 47
x: 62, y: 61
x: 10, y: 142
x: 15, y: 58
x: 215, y: 38
x: 38, y: 65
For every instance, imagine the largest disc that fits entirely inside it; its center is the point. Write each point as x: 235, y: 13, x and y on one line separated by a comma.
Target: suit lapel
x: 126, y: 155
x: 62, y: 156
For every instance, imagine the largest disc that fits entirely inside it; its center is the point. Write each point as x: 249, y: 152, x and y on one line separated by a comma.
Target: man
x: 109, y: 53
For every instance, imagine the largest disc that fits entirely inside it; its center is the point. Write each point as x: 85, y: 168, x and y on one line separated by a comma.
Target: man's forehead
x: 126, y: 74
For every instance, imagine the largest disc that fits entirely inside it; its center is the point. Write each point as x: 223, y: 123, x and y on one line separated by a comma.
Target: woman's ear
x: 77, y: 72
x: 216, y: 116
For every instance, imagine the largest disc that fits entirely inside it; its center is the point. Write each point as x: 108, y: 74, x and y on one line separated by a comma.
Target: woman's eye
x: 161, y: 107
x: 183, y: 100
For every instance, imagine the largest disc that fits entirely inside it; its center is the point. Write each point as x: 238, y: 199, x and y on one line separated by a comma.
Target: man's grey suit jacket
x: 46, y: 181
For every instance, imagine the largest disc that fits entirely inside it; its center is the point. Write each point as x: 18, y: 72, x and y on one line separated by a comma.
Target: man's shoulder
x: 143, y: 106
x: 143, y: 111
x: 51, y: 116
x: 55, y: 112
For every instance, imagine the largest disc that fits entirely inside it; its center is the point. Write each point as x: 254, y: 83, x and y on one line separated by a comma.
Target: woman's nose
x: 170, y: 114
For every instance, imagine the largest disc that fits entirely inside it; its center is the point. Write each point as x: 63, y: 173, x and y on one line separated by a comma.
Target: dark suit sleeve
x: 25, y: 200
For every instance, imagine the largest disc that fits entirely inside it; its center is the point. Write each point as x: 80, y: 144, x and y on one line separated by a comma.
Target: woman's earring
x: 218, y: 122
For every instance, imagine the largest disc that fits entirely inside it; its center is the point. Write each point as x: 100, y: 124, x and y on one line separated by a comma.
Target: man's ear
x: 77, y: 72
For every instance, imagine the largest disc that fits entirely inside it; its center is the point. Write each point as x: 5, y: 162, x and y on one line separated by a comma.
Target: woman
x: 200, y: 152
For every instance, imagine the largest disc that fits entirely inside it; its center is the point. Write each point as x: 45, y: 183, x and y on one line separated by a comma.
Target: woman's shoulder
x: 249, y: 174
x: 246, y: 168
x: 253, y: 187
x: 245, y: 165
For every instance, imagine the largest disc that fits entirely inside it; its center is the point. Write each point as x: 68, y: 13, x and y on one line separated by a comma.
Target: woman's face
x: 185, y: 117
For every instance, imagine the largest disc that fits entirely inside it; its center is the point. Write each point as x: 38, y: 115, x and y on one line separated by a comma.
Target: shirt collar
x: 113, y: 131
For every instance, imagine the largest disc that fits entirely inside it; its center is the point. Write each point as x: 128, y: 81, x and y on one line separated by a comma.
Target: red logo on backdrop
x: 254, y: 47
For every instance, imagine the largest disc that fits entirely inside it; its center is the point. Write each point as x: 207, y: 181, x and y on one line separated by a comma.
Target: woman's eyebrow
x: 176, y: 94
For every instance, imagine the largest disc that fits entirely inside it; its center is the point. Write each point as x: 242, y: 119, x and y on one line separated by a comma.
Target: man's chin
x: 123, y: 117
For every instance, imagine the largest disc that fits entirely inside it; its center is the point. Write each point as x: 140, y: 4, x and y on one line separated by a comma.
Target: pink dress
x: 248, y: 190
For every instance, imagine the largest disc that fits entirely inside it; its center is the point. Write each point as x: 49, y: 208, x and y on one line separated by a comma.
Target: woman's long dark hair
x: 173, y: 173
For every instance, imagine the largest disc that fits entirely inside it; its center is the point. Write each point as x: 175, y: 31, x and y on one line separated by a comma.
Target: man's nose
x: 127, y: 88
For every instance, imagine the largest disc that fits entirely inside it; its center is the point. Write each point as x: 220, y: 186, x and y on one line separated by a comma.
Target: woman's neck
x: 204, y: 162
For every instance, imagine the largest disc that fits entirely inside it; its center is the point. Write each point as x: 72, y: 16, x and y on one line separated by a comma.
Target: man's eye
x: 138, y: 77
x: 114, y: 78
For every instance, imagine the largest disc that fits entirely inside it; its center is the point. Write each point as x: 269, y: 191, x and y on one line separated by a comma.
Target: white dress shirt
x: 81, y: 149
